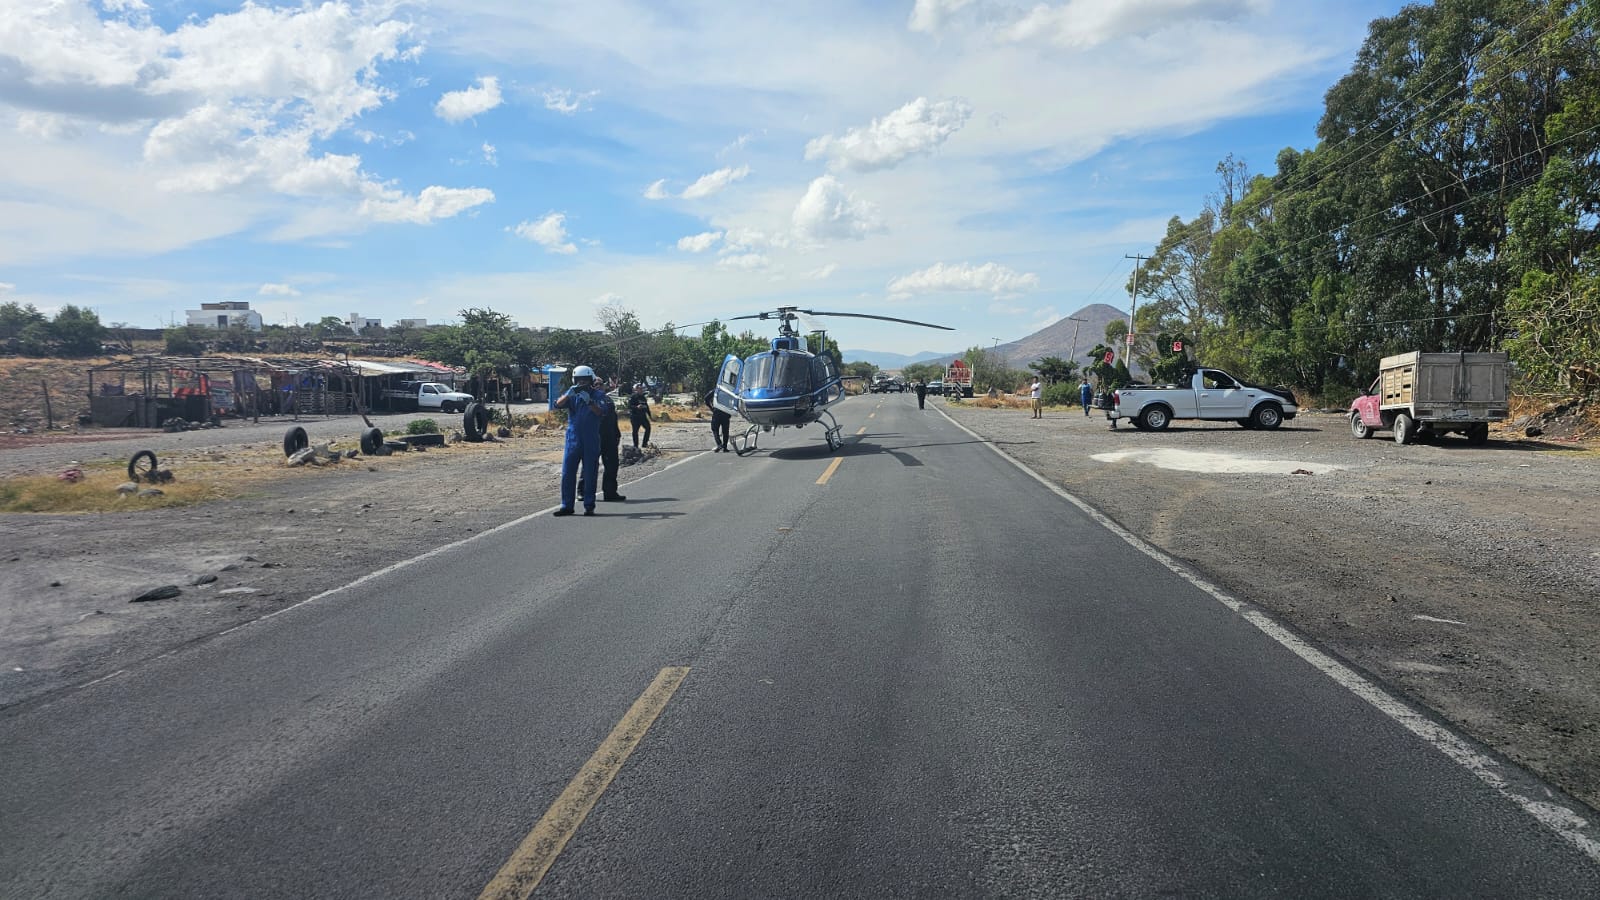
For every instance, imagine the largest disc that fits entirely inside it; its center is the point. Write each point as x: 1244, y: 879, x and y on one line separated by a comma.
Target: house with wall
x: 224, y: 315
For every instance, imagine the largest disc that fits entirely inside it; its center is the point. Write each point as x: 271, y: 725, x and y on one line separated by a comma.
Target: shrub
x: 423, y: 426
x: 1060, y: 394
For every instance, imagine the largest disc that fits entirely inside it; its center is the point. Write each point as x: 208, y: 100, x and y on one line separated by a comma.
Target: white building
x: 224, y: 315
x: 413, y: 323
x: 357, y: 322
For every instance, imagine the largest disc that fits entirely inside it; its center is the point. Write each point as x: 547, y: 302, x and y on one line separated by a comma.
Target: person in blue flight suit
x: 583, y: 403
x: 1085, y: 395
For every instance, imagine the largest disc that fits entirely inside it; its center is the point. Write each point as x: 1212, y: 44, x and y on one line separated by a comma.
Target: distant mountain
x: 886, y: 360
x: 1052, y: 340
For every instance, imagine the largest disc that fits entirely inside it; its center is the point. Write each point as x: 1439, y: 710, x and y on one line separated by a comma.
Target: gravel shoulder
x: 1465, y: 578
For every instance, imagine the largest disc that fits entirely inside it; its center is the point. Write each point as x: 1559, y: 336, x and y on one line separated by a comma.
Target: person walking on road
x: 719, y: 424
x: 582, y: 403
x: 639, y: 414
x: 922, y: 395
x: 610, y: 440
x: 1034, y: 397
x: 1085, y: 394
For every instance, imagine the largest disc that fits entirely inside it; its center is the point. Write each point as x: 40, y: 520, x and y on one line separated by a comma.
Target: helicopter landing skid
x: 745, y: 444
x: 831, y: 432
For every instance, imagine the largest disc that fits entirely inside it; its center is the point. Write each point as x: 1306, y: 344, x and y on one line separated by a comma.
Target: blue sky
x: 981, y: 164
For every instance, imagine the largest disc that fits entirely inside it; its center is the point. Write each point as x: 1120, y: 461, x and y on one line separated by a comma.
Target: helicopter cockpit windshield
x: 782, y: 372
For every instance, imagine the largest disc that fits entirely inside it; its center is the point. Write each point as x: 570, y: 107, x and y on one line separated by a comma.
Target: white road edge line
x: 393, y: 567
x: 1567, y: 823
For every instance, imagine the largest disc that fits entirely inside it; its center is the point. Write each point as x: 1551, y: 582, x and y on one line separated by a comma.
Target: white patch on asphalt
x: 1214, y: 463
x: 1422, y: 618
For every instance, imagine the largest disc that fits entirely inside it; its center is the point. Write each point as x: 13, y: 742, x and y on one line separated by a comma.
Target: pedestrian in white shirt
x: 1038, y: 405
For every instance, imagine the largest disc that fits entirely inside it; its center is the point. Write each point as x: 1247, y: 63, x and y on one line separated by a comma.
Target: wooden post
x: 49, y: 417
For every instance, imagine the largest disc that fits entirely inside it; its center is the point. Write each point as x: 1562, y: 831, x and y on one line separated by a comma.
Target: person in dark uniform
x: 639, y: 414
x: 922, y: 395
x: 719, y: 425
x: 610, y: 440
x: 582, y: 403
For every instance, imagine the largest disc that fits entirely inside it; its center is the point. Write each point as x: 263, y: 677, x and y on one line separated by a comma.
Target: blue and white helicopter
x: 787, y: 386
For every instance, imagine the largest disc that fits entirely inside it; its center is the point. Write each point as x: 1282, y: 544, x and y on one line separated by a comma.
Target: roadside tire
x: 1404, y: 429
x: 1155, y: 418
x: 475, y: 421
x: 1267, y: 416
x: 371, y: 440
x: 295, y: 440
x: 1359, y: 428
x: 139, y: 472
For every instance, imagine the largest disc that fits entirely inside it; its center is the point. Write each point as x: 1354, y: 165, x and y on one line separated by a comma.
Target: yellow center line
x: 538, y: 851
x: 832, y: 467
x: 861, y: 430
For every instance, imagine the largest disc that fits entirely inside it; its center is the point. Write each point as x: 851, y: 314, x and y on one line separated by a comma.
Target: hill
x: 1065, y: 338
x: 883, y: 359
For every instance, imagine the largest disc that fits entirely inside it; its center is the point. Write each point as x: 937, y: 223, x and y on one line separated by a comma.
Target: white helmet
x: 583, y: 372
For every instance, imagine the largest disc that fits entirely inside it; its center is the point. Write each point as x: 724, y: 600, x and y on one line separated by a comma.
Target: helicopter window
x: 780, y: 370
x: 823, y: 369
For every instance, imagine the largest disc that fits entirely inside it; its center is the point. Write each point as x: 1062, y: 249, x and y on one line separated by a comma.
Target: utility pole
x: 1127, y: 346
x: 1072, y: 355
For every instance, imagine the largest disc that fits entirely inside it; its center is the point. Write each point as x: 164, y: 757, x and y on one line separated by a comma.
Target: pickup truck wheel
x: 1154, y: 418
x: 1267, y: 416
x: 1477, y: 433
x: 1404, y: 429
x: 295, y: 440
x: 1359, y: 428
x: 1245, y: 423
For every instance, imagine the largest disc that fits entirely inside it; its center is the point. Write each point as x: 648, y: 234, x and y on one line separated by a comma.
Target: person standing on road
x: 582, y: 403
x: 922, y: 395
x: 719, y: 424
x: 1085, y: 394
x: 639, y: 414
x: 610, y: 440
x: 1038, y: 402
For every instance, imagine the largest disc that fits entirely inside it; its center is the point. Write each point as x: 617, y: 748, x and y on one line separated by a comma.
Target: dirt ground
x: 1465, y: 578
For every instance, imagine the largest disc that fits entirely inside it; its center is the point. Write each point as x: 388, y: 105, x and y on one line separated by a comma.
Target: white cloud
x: 712, y: 182
x: 989, y: 278
x: 828, y: 210
x: 490, y: 155
x: 607, y: 299
x: 432, y: 204
x: 657, y: 190
x: 699, y: 243
x: 917, y: 127
x: 278, y: 290
x: 1088, y: 23
x: 745, y: 261
x: 564, y: 101
x: 7, y: 287
x: 457, y: 106
x: 929, y: 15
x: 823, y: 272
x: 549, y: 232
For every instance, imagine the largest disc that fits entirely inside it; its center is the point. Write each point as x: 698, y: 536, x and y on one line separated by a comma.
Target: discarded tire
x: 295, y: 440
x: 142, y: 465
x: 371, y: 440
x: 476, y: 421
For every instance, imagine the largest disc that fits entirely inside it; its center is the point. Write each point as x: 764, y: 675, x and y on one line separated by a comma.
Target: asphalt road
x: 917, y: 672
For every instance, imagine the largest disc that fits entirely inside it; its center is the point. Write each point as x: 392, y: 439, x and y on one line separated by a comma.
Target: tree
x: 922, y: 371
x: 76, y: 331
x: 1054, y: 369
x: 185, y: 340
x: 330, y: 327
x: 24, y: 328
x: 859, y: 369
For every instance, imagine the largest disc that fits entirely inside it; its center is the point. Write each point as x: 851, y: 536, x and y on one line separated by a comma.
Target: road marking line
x: 871, y: 414
x: 538, y: 851
x: 861, y: 430
x: 832, y: 467
x: 1565, y: 820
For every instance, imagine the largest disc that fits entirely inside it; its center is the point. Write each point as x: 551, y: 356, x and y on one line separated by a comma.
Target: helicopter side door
x: 825, y: 380
x: 725, y: 396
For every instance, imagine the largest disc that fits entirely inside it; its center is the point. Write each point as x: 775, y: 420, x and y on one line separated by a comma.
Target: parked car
x: 1210, y: 394
x: 1425, y: 394
x: 936, y: 387
x: 413, y: 395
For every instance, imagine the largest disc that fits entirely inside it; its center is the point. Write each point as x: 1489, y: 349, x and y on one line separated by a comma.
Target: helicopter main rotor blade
x: 817, y: 312
x: 756, y: 316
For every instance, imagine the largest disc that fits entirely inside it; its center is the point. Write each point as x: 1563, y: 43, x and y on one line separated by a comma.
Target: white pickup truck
x: 1211, y: 394
x: 413, y: 395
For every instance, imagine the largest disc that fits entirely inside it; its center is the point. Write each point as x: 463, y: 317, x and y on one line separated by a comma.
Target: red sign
x: 1109, y: 357
x: 1130, y: 339
x: 1177, y: 346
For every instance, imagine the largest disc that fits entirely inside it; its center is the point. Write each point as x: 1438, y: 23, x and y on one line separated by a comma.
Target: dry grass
x: 97, y: 493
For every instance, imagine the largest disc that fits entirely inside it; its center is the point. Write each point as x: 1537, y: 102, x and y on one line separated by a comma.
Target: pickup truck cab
x: 427, y: 395
x: 1211, y: 394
